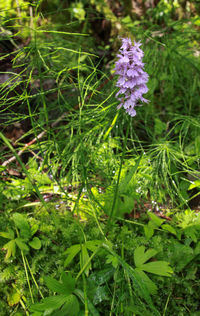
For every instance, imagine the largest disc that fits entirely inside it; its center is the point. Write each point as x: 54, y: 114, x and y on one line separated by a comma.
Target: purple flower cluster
x: 132, y: 78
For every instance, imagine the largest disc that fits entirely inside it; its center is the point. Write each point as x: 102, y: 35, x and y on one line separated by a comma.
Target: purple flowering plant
x: 132, y: 77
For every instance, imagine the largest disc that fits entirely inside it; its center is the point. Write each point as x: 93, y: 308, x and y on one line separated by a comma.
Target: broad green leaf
x: 66, y: 287
x: 56, y: 286
x: 113, y: 260
x: 21, y: 244
x: 140, y: 256
x: 93, y: 244
x: 22, y: 223
x: 157, y: 220
x: 11, y: 249
x: 151, y: 286
x: 35, y: 243
x: 13, y: 298
x: 157, y: 267
x: 84, y: 258
x: 169, y: 228
x: 68, y: 281
x: 51, y: 302
x: 9, y: 235
x: 149, y: 231
x: 70, y: 308
x: 71, y: 252
x: 195, y: 184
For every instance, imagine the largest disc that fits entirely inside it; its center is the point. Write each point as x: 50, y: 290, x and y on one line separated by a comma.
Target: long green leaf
x: 9, y: 235
x: 51, y: 302
x: 67, y: 287
x: 157, y: 267
x: 55, y: 286
x: 71, y: 252
x: 70, y: 308
x: 11, y: 249
x: 151, y: 286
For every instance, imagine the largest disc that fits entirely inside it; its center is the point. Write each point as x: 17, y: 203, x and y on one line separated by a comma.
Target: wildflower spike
x: 132, y: 78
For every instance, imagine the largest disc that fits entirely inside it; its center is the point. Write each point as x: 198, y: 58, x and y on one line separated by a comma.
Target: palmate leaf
x: 75, y: 249
x: 151, y: 286
x: 139, y: 286
x: 70, y: 308
x: 51, y: 302
x: 93, y: 244
x: 157, y: 267
x: 140, y: 256
x: 66, y: 287
x: 148, y: 230
x: 55, y: 286
x: 69, y: 281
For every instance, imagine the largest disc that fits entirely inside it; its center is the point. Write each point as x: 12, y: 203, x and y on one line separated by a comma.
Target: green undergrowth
x: 121, y: 272
x: 99, y: 211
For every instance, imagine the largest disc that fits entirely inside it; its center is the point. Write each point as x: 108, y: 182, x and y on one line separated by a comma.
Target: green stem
x: 27, y: 277
x: 85, y: 296
x: 21, y: 300
x: 34, y: 280
x: 118, y: 179
x: 114, y: 293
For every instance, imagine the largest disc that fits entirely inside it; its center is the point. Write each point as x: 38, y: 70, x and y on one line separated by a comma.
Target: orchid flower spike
x: 132, y: 78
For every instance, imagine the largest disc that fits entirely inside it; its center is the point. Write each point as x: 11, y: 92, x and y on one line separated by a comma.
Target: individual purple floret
x: 132, y: 78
